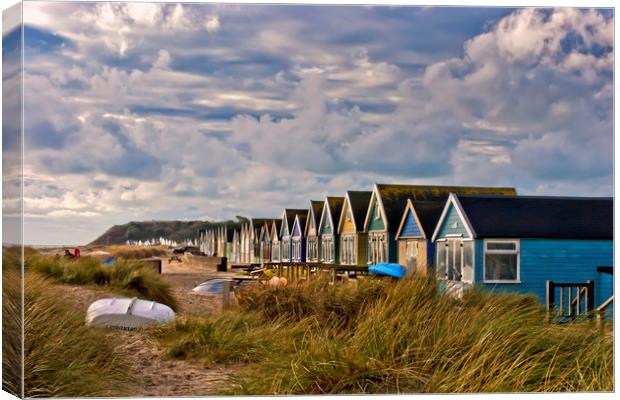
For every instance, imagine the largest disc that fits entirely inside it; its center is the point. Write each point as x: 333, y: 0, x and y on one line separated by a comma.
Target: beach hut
x: 351, y: 228
x: 288, y: 219
x: 518, y: 243
x: 236, y: 247
x: 251, y: 240
x: 276, y: 248
x: 415, y: 248
x: 258, y: 226
x: 201, y: 240
x: 387, y: 204
x: 332, y: 208
x: 298, y: 240
x: 265, y: 242
x: 312, y: 232
x: 230, y: 235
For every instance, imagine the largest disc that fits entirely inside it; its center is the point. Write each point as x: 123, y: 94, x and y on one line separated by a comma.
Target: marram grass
x: 62, y: 357
x: 127, y: 277
x: 136, y: 252
x: 403, y: 338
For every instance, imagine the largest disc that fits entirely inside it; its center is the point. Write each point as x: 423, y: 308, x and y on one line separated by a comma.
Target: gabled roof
x: 289, y: 215
x: 277, y: 224
x: 358, y: 207
x: 333, y: 207
x: 257, y: 225
x: 544, y: 217
x: 426, y: 214
x: 314, y: 213
x: 300, y: 219
x: 393, y: 198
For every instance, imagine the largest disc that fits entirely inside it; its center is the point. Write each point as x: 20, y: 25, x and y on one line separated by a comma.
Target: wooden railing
x: 570, y: 306
x: 601, y: 311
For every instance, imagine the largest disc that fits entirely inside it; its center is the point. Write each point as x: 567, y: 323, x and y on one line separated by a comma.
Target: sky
x: 140, y: 111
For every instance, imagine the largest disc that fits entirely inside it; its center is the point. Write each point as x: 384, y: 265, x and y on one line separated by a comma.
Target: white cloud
x: 212, y: 24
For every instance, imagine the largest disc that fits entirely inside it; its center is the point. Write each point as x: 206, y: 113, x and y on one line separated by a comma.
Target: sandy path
x: 156, y: 375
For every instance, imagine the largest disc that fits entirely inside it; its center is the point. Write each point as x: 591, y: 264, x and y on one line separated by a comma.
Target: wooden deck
x: 303, y: 270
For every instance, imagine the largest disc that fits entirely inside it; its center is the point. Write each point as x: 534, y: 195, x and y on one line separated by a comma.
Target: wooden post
x: 308, y: 272
x: 600, y: 319
x: 590, y: 298
x: 279, y: 270
x: 570, y: 302
x: 578, y: 301
x: 561, y: 301
x: 335, y: 274
x: 551, y: 301
x: 226, y: 294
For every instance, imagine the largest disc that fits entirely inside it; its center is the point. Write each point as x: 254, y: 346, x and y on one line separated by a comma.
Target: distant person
x: 68, y: 254
x: 76, y: 252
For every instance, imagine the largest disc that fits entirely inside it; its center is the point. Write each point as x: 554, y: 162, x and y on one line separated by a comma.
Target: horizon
x: 153, y: 111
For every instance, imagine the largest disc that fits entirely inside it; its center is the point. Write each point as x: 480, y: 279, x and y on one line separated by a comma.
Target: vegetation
x: 131, y: 278
x: 136, y: 252
x: 146, y: 230
x: 408, y: 337
x: 11, y: 321
x: 62, y: 357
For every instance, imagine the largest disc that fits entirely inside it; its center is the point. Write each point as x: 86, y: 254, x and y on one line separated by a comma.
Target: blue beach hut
x: 518, y: 243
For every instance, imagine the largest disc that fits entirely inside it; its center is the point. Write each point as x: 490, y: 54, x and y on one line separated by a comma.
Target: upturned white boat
x: 125, y: 313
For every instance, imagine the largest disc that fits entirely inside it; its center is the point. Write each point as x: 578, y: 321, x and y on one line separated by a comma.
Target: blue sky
x: 164, y: 111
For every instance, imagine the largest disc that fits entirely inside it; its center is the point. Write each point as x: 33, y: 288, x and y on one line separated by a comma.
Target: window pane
x: 501, y: 246
x: 500, y: 267
x: 468, y: 254
x: 457, y: 267
x: 441, y: 259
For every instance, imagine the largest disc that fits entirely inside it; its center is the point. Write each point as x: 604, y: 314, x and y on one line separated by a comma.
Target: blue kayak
x: 391, y: 269
x: 110, y: 261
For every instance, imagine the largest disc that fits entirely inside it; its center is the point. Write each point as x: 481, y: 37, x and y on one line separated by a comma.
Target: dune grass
x: 127, y: 277
x: 62, y: 357
x: 11, y: 322
x: 403, y: 338
x: 136, y: 252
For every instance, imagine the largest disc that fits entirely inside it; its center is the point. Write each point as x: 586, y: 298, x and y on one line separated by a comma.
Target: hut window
x: 501, y: 260
x: 441, y: 251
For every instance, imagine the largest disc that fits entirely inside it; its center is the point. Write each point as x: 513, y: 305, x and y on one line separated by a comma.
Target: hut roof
x: 335, y: 208
x: 394, y: 197
x: 539, y: 216
x: 359, y: 202
x: 302, y: 223
x: 290, y: 216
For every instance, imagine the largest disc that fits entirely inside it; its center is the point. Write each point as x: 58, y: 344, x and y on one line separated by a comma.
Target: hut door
x: 453, y: 259
x: 412, y: 255
x: 459, y: 260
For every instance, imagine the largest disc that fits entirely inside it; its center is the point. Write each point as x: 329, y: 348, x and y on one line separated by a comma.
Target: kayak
x: 388, y: 269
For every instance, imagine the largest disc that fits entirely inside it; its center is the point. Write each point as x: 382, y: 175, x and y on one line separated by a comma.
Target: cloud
x: 212, y: 24
x: 139, y: 114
